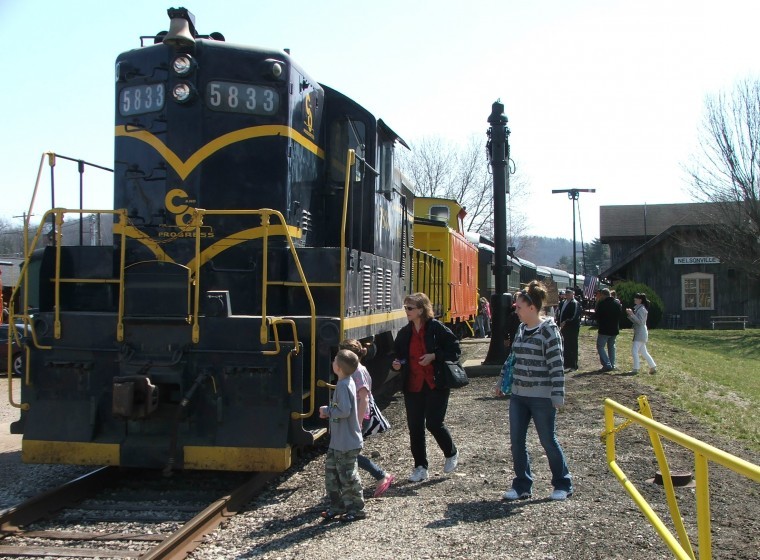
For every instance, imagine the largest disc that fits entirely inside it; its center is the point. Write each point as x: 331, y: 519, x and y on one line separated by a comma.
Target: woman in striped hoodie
x: 538, y: 390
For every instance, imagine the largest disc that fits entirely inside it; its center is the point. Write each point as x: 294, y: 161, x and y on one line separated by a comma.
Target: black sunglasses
x: 410, y: 307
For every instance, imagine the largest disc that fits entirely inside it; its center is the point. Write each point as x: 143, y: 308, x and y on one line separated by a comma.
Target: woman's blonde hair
x: 421, y: 301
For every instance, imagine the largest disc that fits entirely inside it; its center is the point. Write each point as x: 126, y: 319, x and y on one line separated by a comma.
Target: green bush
x: 626, y: 291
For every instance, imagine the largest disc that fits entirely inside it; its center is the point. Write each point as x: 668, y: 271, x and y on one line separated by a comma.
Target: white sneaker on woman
x: 451, y: 463
x: 418, y: 474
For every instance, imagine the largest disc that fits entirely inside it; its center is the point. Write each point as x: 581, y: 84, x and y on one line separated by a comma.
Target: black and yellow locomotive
x: 258, y: 220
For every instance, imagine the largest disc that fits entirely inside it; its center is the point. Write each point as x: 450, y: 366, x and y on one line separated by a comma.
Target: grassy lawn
x: 715, y: 375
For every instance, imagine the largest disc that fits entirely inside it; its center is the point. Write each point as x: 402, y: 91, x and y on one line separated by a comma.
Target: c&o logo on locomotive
x: 180, y: 204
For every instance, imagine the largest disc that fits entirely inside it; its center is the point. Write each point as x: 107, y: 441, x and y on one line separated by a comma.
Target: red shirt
x: 418, y: 374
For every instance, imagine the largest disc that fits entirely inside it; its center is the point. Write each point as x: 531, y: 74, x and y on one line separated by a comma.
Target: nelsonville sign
x: 696, y: 260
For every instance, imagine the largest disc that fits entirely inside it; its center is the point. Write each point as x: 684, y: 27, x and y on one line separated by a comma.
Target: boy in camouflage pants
x: 344, y: 487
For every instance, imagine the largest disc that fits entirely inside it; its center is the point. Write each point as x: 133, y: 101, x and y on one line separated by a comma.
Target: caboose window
x: 232, y: 97
x: 440, y: 213
x: 137, y: 100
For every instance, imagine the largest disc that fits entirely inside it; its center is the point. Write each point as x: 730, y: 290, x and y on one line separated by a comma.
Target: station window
x: 697, y: 291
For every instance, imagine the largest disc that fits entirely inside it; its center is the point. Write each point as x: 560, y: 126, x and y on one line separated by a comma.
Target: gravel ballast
x: 461, y: 515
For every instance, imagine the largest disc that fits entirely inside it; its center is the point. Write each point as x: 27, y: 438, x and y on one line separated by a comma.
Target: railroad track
x: 112, y: 513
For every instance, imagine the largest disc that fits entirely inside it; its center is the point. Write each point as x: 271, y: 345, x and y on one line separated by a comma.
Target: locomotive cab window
x: 344, y: 135
x: 386, y: 166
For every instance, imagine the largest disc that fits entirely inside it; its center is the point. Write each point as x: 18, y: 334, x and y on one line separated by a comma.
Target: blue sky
x: 604, y: 94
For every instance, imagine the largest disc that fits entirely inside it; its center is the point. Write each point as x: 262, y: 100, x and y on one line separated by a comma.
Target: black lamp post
x: 498, y: 153
x: 574, y: 195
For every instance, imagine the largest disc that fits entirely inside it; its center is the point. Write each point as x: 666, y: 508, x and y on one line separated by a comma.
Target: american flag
x: 589, y: 286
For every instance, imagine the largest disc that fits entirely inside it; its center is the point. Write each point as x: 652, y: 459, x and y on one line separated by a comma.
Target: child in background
x: 342, y: 482
x: 363, y: 382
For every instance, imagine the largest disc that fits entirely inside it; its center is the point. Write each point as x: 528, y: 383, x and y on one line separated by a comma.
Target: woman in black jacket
x: 421, y: 348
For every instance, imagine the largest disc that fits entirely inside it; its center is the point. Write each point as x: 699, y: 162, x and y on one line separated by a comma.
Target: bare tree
x: 461, y: 172
x: 725, y: 173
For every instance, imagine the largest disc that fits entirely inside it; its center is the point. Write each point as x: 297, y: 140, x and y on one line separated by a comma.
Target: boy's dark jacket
x: 438, y: 340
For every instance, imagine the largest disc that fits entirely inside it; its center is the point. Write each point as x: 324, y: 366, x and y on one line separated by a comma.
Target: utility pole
x: 574, y: 195
x: 498, y: 153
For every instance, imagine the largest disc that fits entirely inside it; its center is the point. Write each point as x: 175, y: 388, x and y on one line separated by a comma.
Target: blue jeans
x: 543, y: 413
x: 606, y: 358
x: 366, y: 464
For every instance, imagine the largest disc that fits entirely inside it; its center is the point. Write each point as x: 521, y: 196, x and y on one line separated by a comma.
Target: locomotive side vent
x: 366, y: 286
x: 388, y: 291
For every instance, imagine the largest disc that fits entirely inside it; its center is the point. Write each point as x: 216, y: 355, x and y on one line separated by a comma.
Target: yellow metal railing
x: 25, y: 317
x: 280, y: 228
x: 703, y: 453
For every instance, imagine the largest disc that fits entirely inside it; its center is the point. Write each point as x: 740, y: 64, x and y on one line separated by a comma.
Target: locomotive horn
x: 181, y: 28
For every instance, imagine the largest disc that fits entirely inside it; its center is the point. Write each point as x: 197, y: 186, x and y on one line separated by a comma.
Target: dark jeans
x: 543, y: 413
x: 607, y: 358
x: 366, y: 464
x: 427, y: 409
x: 570, y: 346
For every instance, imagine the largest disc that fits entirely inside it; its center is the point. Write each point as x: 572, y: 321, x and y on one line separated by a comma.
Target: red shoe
x: 384, y: 485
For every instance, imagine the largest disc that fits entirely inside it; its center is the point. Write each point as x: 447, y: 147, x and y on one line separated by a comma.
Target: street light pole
x: 574, y: 195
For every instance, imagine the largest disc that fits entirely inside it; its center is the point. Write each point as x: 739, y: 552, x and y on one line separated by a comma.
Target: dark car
x: 16, y: 351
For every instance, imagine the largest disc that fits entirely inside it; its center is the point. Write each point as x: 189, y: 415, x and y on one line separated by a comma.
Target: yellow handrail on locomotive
x: 57, y: 280
x: 350, y: 161
x: 281, y: 229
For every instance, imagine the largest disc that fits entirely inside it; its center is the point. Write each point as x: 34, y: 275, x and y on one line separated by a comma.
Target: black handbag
x: 454, y: 375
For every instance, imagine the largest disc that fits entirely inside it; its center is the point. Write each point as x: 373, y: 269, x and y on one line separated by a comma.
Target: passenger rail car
x: 257, y: 222
x: 486, y: 261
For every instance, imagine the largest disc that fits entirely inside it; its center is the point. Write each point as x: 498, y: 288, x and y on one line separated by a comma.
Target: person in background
x: 638, y: 316
x: 483, y: 318
x: 538, y: 390
x: 342, y: 482
x: 422, y: 346
x: 570, y: 325
x: 607, y: 314
x: 363, y: 382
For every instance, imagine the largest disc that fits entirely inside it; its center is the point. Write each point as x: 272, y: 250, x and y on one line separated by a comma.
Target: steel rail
x: 189, y: 536
x: 44, y: 504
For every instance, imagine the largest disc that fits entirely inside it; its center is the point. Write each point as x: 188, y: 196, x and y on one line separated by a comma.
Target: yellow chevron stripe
x: 184, y: 168
x: 240, y: 237
x: 134, y: 233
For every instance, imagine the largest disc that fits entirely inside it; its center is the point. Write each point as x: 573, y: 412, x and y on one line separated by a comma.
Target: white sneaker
x: 560, y: 495
x: 451, y: 463
x: 512, y: 495
x: 418, y: 474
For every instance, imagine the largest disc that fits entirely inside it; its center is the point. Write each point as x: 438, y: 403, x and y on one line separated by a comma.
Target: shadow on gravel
x: 478, y: 512
x: 595, y: 373
x: 297, y: 529
x: 405, y: 488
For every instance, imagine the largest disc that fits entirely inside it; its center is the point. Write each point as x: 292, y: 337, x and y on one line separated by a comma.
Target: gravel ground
x: 461, y: 515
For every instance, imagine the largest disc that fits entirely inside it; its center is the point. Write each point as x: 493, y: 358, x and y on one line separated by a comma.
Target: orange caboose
x: 439, y: 230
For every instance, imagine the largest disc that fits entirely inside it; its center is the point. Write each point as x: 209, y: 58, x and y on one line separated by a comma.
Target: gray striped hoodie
x: 539, y: 371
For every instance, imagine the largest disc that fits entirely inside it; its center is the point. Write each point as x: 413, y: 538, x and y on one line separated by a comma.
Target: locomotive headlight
x: 182, y: 92
x: 276, y: 69
x: 182, y: 65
